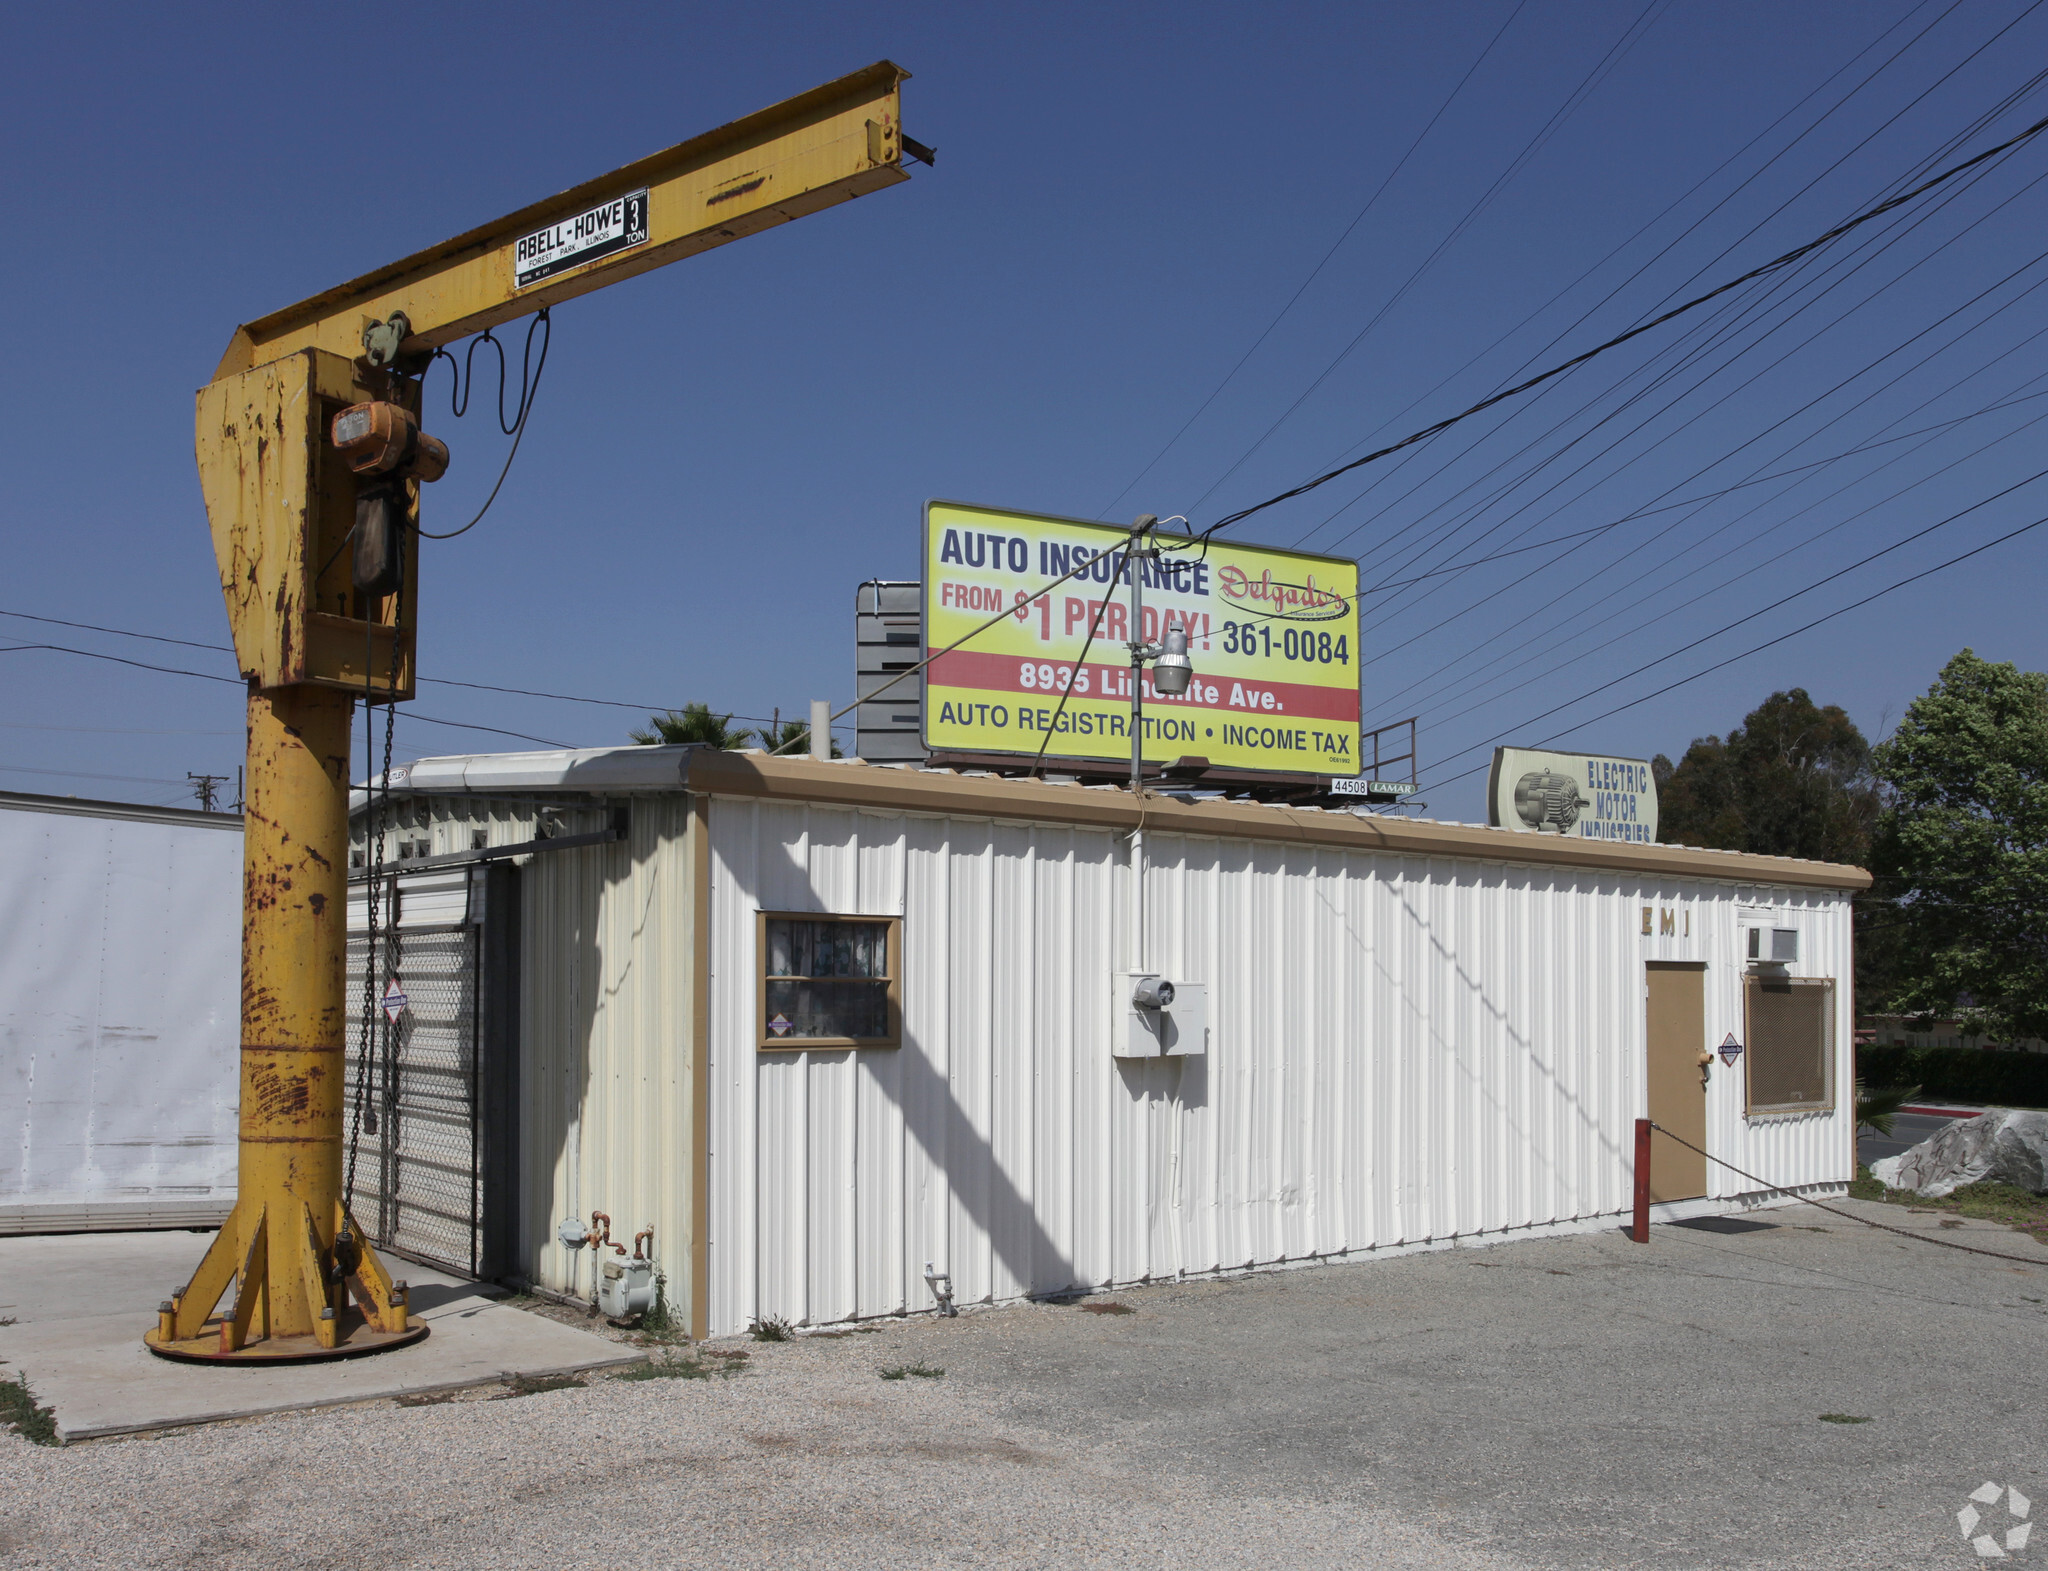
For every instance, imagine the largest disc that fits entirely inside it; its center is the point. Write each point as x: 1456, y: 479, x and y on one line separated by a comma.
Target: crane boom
x: 826, y: 146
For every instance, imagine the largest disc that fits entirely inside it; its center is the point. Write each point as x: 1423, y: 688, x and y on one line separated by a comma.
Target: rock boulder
x: 2000, y: 1145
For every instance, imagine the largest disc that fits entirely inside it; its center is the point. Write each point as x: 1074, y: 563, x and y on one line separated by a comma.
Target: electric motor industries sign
x: 1582, y: 795
x: 1273, y: 636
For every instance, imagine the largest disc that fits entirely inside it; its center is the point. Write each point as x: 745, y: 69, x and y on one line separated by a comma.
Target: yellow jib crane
x: 311, y: 460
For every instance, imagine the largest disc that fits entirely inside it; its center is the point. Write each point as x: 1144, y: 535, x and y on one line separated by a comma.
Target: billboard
x: 1273, y: 635
x: 1587, y: 796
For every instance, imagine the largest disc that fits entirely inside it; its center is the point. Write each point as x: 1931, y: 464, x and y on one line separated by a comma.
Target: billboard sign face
x: 1586, y: 796
x: 1273, y: 636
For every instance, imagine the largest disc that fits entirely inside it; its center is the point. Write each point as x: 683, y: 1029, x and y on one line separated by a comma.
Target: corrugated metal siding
x: 605, y: 1026
x: 1403, y: 1049
x: 605, y: 1020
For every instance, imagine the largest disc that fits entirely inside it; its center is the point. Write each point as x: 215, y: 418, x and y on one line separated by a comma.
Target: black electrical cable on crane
x: 1776, y: 263
x: 528, y: 391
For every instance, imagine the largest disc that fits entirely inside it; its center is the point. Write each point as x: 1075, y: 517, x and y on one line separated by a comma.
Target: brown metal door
x: 1678, y: 1085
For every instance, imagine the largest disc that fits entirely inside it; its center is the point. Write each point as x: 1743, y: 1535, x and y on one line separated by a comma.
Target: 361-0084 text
x: 1308, y: 645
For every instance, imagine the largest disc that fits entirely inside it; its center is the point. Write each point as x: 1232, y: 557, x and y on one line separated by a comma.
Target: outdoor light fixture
x: 1173, y: 670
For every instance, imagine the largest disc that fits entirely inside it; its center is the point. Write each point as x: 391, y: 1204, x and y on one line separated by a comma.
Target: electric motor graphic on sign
x: 1274, y: 635
x: 1587, y: 796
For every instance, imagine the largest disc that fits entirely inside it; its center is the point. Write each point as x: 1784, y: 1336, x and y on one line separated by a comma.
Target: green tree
x: 1962, y: 851
x: 792, y: 739
x: 1794, y: 779
x: 692, y: 723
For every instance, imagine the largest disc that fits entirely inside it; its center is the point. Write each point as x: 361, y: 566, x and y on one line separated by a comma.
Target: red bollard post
x: 1641, y: 1232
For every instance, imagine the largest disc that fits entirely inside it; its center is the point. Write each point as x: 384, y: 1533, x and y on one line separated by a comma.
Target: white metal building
x: 120, y: 1014
x: 1414, y: 1033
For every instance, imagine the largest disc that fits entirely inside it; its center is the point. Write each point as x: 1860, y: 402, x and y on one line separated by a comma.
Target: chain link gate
x: 419, y: 1180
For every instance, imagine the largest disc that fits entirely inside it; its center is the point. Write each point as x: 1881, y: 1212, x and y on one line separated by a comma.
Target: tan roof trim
x: 856, y: 785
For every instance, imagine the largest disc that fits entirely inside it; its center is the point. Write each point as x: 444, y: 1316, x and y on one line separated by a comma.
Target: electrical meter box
x: 1177, y: 1029
x: 625, y: 1288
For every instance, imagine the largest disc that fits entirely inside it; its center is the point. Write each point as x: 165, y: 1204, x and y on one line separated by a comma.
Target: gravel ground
x: 805, y: 1458
x: 1579, y: 1402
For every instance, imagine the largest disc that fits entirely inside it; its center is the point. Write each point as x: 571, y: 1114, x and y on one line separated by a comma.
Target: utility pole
x: 309, y: 445
x: 205, y: 787
x: 1135, y: 555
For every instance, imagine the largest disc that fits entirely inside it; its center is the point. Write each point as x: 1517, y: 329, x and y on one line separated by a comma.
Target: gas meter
x: 625, y: 1287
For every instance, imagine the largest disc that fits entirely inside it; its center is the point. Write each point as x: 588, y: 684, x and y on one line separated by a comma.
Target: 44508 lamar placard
x: 1273, y: 635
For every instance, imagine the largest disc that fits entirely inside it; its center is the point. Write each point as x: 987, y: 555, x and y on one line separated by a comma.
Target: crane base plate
x: 205, y: 1347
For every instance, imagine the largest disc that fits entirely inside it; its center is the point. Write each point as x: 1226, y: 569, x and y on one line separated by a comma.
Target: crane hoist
x: 312, y: 459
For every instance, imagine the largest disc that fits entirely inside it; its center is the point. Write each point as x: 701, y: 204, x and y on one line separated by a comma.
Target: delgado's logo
x: 1289, y: 602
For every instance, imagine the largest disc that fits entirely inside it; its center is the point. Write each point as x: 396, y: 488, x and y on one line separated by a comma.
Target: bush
x: 1964, y: 1073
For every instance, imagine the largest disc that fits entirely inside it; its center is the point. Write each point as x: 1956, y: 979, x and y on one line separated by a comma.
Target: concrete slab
x: 93, y: 1370
x: 57, y: 1276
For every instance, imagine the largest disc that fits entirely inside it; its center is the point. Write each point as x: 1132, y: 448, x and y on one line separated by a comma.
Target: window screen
x: 828, y: 980
x: 1791, y: 1047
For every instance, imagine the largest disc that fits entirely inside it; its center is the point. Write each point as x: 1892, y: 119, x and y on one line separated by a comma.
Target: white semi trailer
x: 120, y: 968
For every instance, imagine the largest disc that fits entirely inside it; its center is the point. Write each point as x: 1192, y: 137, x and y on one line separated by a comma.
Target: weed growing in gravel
x: 18, y: 1408
x: 904, y: 1371
x: 683, y: 1368
x: 426, y: 1398
x: 1842, y: 1418
x: 533, y: 1385
x: 771, y: 1331
x: 2017, y: 1208
x: 1107, y: 1307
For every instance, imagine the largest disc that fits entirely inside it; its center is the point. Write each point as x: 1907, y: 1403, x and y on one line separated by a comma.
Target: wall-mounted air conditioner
x: 1773, y: 946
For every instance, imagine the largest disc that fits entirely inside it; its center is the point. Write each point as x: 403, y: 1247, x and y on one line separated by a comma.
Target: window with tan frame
x: 829, y: 981
x: 1790, y: 1054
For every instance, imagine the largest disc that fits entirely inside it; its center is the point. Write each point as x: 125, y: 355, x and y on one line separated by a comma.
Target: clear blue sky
x: 1125, y: 197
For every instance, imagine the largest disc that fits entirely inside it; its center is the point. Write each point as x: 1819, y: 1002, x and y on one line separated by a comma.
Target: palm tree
x: 792, y: 738
x: 692, y: 723
x: 1875, y: 1109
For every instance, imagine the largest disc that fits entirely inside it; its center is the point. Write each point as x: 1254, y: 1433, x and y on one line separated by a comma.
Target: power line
x: 89, y: 654
x: 184, y: 786
x: 103, y: 730
x: 140, y: 665
x: 1699, y: 543
x: 1316, y: 271
x: 1676, y: 240
x: 2009, y: 101
x: 1938, y: 428
x: 1771, y: 266
x: 1732, y: 659
x: 1725, y: 333
x: 1630, y: 36
x: 1699, y: 596
x: 1497, y: 636
x: 440, y: 681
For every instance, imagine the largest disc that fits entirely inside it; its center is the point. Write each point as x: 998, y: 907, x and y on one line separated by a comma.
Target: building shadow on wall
x: 936, y: 1120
